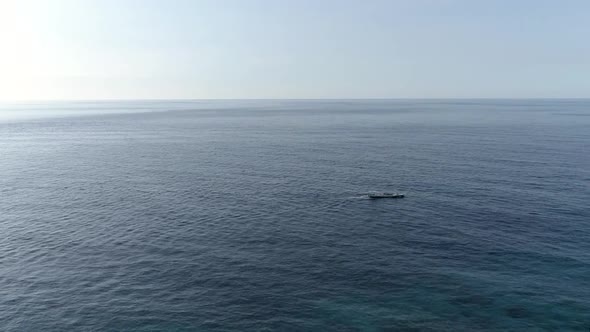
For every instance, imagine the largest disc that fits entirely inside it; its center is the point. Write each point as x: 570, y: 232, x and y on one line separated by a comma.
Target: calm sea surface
x: 250, y: 216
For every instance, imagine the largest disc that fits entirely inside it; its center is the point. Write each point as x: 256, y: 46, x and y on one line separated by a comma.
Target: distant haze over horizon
x: 255, y: 49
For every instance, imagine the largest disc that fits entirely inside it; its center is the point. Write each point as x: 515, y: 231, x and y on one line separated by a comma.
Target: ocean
x: 252, y: 215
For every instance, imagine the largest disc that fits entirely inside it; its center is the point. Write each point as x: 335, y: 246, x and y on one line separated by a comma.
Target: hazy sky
x: 127, y: 49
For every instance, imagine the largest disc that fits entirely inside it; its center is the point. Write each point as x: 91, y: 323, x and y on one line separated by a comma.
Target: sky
x: 237, y: 49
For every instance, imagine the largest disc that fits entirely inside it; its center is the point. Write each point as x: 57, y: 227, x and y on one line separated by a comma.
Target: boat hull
x: 386, y: 196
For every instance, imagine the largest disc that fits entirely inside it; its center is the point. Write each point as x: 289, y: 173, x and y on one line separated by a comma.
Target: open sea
x: 252, y: 215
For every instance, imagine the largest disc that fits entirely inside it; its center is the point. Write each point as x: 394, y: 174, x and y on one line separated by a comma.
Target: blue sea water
x: 250, y: 216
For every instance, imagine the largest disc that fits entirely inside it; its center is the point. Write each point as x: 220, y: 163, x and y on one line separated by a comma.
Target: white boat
x: 385, y: 195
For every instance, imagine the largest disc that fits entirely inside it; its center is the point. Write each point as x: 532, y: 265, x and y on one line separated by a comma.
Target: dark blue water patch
x: 253, y: 216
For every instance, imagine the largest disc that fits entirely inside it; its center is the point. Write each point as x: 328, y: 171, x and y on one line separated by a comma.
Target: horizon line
x: 284, y: 99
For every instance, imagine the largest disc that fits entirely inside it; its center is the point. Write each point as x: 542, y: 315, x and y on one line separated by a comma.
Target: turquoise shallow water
x: 249, y: 216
